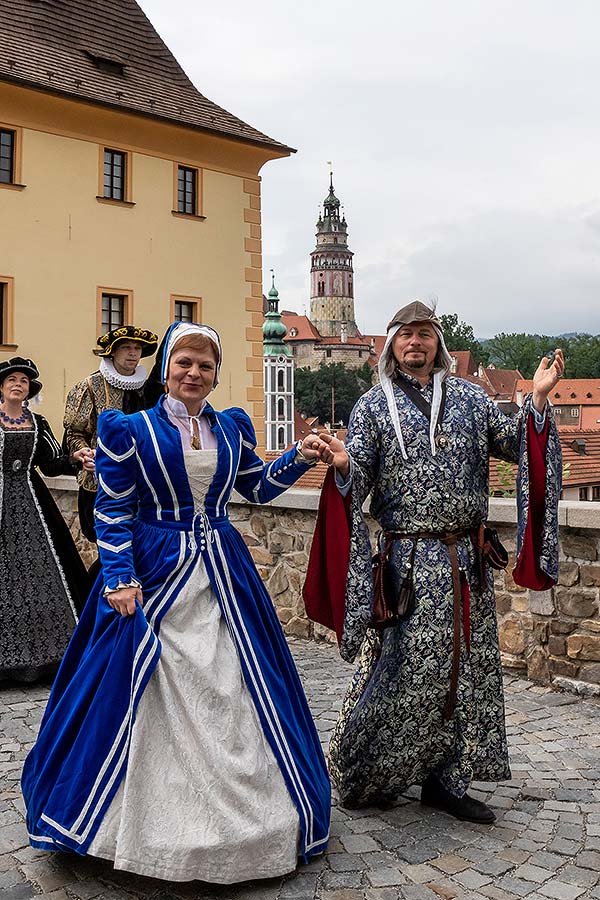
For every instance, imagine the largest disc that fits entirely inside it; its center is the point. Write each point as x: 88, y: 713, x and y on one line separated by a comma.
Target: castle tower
x: 331, y: 273
x: 279, y: 378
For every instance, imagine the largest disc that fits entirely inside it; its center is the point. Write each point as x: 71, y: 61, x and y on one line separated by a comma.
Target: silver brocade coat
x: 390, y: 733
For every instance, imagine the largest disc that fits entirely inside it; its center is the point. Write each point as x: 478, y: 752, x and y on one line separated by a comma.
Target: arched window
x: 281, y: 438
x: 280, y: 380
x: 281, y: 408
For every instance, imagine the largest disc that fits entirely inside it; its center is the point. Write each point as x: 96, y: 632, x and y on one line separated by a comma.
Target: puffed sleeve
x: 117, y: 499
x: 256, y: 481
x: 80, y: 417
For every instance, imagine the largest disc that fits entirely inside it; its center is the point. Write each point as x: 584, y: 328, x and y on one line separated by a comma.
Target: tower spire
x: 332, y: 290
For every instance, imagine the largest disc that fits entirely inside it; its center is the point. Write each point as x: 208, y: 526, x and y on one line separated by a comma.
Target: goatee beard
x: 415, y: 363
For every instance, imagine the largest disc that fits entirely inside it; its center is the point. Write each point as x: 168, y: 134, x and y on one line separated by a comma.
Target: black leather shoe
x: 466, y: 808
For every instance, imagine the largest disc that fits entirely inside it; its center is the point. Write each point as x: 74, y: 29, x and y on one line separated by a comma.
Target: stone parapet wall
x: 551, y: 636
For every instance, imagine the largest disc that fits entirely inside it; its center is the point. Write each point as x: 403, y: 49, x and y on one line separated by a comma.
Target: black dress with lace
x: 42, y: 577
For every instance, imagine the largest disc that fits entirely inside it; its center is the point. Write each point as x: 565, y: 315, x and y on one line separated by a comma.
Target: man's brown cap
x: 416, y: 311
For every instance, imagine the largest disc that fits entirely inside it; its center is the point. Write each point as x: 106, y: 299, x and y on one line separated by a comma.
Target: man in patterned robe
x: 426, y: 702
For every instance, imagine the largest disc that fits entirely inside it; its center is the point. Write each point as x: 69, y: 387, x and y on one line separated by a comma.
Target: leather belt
x: 450, y: 540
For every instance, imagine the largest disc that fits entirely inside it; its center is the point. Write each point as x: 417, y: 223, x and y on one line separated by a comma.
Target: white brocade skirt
x: 203, y: 797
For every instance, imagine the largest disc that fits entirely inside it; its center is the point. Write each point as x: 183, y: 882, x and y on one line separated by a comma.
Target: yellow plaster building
x: 126, y: 197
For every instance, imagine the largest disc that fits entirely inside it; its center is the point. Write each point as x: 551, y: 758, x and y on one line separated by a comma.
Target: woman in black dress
x: 42, y: 577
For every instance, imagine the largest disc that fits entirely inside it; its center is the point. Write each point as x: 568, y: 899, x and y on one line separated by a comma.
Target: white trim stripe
x: 114, y: 548
x: 117, y: 457
x: 150, y: 486
x: 112, y: 520
x: 116, y: 742
x: 226, y: 485
x: 299, y: 790
x: 116, y: 495
x: 257, y: 468
x: 161, y: 463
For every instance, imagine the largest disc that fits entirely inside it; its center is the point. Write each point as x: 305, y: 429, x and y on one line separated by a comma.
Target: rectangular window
x: 574, y: 412
x: 187, y: 191
x: 115, y: 175
x: 596, y: 492
x: 7, y: 338
x: 185, y: 309
x: 113, y: 311
x: 583, y: 493
x: 7, y: 156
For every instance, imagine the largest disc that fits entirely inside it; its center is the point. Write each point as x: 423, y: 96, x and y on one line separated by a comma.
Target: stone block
x: 541, y: 603
x: 579, y: 546
x: 538, y: 668
x: 298, y: 627
x: 568, y: 573
x: 541, y: 631
x: 250, y: 540
x: 583, y: 646
x: 592, y: 625
x: 520, y: 603
x: 512, y: 662
x: 284, y: 614
x: 563, y: 667
x: 557, y: 626
x: 590, y: 672
x: 510, y: 633
x: 281, y: 542
x: 509, y: 581
x: 503, y: 602
x: 590, y: 576
x: 557, y: 646
x: 278, y: 583
x: 261, y: 556
x: 580, y: 602
x: 259, y: 525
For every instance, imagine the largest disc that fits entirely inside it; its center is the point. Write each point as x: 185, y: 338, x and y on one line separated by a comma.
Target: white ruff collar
x: 125, y: 382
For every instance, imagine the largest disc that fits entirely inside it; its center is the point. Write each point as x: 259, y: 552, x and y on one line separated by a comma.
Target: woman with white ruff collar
x: 177, y: 741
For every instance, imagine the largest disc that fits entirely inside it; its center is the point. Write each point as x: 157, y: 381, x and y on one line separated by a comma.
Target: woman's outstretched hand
x: 123, y: 600
x: 333, y: 452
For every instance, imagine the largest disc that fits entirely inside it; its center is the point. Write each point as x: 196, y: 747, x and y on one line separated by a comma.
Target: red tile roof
x: 579, y: 468
x: 107, y: 52
x: 305, y: 329
x: 569, y: 391
x: 503, y: 381
x: 465, y: 364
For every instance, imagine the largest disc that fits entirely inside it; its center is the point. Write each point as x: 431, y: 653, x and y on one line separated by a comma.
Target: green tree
x: 459, y: 336
x: 519, y: 351
x: 582, y: 355
x: 313, y: 389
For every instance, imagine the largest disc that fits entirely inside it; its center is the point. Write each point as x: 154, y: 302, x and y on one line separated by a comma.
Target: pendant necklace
x: 24, y: 417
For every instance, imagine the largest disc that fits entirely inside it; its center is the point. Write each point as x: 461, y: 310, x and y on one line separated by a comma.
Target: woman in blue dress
x: 177, y: 741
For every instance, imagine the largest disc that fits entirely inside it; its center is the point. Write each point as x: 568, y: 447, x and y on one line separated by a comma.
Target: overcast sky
x: 465, y: 140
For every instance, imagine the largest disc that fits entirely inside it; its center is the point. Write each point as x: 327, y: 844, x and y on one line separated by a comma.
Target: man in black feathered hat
x: 117, y: 384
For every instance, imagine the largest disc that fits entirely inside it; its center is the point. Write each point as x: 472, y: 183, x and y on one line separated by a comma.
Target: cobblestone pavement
x: 545, y: 843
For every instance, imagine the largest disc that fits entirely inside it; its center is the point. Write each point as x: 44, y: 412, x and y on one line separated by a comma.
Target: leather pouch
x: 494, y: 552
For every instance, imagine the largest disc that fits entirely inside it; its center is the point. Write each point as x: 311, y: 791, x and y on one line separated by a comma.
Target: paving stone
x: 450, y: 864
x: 358, y: 843
x: 575, y: 875
x: 544, y: 846
x: 560, y: 890
x: 386, y: 876
x: 533, y: 873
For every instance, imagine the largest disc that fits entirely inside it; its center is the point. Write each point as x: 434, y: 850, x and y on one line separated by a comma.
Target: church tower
x: 279, y: 378
x: 331, y: 273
